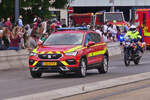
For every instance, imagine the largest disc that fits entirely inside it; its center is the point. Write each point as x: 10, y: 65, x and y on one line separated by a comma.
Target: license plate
x: 49, y: 63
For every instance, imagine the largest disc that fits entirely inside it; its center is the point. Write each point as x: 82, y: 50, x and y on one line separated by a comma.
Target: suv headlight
x: 71, y: 53
x: 32, y: 54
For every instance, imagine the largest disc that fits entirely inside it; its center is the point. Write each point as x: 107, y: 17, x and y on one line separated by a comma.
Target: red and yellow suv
x: 70, y: 51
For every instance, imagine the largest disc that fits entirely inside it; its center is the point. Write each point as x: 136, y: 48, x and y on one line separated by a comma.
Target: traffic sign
x: 70, y: 10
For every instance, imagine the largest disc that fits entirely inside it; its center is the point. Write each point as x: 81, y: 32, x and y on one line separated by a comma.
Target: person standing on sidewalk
x: 114, y: 29
x: 8, y: 23
x: 2, y: 22
x: 32, y: 42
x: 15, y: 39
x: 19, y: 21
x: 98, y: 30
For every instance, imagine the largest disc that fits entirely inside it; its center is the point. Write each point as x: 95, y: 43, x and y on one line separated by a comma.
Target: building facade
x: 126, y: 6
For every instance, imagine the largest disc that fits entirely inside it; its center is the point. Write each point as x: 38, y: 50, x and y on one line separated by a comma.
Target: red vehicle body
x: 68, y: 57
x: 79, y: 19
x: 99, y: 18
x: 109, y: 17
x: 142, y: 21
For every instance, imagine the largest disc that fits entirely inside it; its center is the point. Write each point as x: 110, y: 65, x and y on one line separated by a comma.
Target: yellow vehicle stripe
x: 73, y: 49
x: 35, y: 63
x: 98, y: 44
x: 97, y: 53
x: 65, y: 63
x: 90, y: 54
x: 146, y: 33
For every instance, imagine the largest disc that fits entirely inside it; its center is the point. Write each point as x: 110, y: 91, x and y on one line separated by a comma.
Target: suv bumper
x: 69, y: 64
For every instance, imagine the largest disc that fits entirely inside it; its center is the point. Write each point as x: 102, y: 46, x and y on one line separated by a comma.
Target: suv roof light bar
x: 72, y: 28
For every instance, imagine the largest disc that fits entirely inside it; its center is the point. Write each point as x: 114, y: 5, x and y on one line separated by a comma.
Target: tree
x: 29, y: 8
x: 7, y: 8
x: 59, y: 3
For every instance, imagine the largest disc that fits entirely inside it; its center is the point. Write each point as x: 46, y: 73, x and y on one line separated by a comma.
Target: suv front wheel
x: 35, y: 74
x: 83, y: 68
x: 104, y: 67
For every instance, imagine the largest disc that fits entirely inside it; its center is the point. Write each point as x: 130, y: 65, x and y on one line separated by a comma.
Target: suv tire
x: 35, y: 74
x: 83, y: 68
x: 104, y: 67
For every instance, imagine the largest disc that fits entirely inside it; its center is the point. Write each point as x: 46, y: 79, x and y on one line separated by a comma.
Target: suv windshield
x: 113, y: 16
x: 64, y: 39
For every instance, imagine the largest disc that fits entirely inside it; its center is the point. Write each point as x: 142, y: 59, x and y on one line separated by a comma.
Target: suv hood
x: 46, y: 49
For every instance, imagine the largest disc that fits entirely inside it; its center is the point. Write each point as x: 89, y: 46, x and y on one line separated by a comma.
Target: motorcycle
x: 131, y: 53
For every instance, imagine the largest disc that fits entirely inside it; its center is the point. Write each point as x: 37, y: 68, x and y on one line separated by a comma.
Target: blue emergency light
x: 121, y: 38
x: 72, y: 28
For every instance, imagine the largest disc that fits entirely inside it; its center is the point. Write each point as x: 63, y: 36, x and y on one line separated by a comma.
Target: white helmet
x: 132, y: 28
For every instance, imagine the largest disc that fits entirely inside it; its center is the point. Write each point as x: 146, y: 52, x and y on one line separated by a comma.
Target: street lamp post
x: 16, y: 9
x: 68, y: 15
x: 113, y: 5
x: 113, y: 8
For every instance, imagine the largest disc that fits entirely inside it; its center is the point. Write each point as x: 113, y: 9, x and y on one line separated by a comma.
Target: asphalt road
x: 14, y: 83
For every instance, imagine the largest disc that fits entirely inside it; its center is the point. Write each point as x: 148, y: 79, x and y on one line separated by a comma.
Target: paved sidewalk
x: 134, y: 91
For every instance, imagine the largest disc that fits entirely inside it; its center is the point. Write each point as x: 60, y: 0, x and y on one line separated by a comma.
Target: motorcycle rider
x: 135, y: 36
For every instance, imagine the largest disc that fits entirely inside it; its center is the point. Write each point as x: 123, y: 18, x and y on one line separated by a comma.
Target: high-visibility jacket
x: 132, y: 35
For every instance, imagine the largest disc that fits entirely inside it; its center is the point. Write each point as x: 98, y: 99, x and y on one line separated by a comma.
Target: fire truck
x: 99, y: 18
x: 142, y: 21
x: 79, y: 19
x: 109, y: 17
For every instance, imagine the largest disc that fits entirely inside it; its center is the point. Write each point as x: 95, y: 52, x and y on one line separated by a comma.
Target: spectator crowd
x: 19, y: 36
x: 109, y: 31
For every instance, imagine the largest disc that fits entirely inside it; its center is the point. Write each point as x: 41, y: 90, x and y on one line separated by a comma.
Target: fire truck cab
x: 110, y: 17
x: 79, y: 19
x: 99, y: 18
x: 142, y: 21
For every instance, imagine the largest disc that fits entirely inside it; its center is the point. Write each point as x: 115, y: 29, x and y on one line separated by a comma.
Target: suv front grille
x: 49, y: 56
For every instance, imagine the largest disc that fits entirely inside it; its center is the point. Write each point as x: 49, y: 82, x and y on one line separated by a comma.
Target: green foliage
x: 33, y: 7
x: 59, y: 3
x: 7, y: 8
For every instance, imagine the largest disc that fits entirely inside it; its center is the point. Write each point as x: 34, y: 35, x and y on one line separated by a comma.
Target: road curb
x: 84, y: 88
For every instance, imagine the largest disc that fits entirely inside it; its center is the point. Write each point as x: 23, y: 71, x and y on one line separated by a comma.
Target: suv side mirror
x: 90, y: 43
x: 40, y: 43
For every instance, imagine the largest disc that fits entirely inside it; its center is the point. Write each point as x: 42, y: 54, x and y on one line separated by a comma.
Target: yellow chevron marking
x: 58, y: 52
x: 35, y: 50
x: 42, y: 52
x: 65, y: 63
x: 50, y: 52
x: 35, y: 63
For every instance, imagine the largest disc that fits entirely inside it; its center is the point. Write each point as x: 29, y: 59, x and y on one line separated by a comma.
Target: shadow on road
x: 67, y: 75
